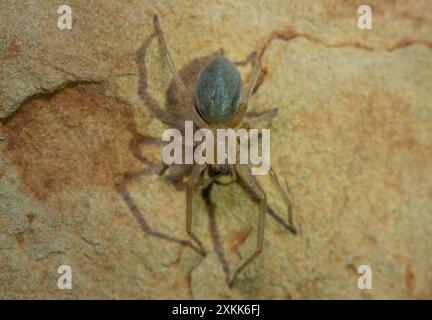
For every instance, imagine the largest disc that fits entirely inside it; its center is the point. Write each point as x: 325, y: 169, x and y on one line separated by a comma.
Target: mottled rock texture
x: 82, y: 112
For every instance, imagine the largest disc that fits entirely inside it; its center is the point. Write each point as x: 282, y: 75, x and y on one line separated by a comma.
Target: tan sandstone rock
x: 82, y: 112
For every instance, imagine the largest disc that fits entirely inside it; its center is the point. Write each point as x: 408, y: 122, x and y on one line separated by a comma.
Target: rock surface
x: 83, y: 111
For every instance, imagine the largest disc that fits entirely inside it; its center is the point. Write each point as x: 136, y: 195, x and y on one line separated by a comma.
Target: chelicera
x: 221, y: 103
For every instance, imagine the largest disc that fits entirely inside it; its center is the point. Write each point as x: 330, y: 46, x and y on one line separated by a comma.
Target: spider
x: 220, y: 103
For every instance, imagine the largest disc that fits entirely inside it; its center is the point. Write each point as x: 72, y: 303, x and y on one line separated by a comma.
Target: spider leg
x: 221, y: 52
x: 245, y: 170
x: 163, y: 169
x: 255, y: 119
x: 274, y: 178
x: 253, y: 78
x: 190, y: 184
x: 121, y: 186
x: 286, y: 199
x: 256, y: 70
x: 165, y: 52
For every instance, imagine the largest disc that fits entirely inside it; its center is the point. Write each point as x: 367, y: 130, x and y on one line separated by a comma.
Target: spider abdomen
x: 219, y: 91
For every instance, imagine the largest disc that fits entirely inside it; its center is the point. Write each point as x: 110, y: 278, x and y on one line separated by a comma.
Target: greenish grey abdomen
x: 219, y: 91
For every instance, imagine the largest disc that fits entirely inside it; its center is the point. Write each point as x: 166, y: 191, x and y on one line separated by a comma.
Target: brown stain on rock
x: 75, y: 137
x: 31, y: 217
x: 11, y: 50
x: 409, y: 279
x: 20, y: 240
x: 238, y: 238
